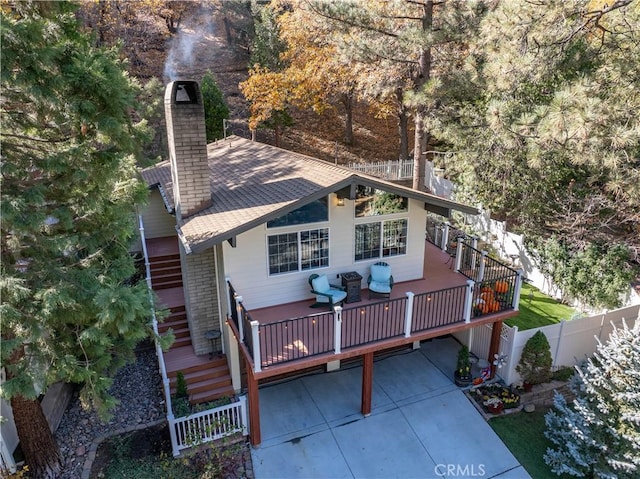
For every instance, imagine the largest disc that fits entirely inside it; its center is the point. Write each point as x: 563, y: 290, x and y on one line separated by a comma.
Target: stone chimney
x: 186, y: 136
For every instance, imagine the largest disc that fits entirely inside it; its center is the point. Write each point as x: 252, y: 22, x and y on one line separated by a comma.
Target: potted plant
x: 535, y: 362
x: 494, y: 405
x: 462, y: 375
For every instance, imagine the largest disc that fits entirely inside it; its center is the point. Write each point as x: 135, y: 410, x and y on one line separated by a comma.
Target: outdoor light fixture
x: 339, y: 201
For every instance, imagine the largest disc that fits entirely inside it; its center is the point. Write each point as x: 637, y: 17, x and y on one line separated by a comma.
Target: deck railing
x: 439, y: 308
x: 367, y: 324
x: 210, y: 425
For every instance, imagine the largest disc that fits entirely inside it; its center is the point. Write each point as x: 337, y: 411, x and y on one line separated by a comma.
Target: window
x: 299, y: 251
x: 373, y: 202
x: 313, y: 212
x: 381, y: 239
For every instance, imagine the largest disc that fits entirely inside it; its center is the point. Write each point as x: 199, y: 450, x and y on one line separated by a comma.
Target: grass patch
x: 537, y: 309
x: 523, y: 434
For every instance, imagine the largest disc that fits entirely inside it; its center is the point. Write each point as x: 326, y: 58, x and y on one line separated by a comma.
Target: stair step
x: 181, y: 342
x: 166, y: 271
x: 163, y: 258
x: 205, y: 384
x: 201, y: 374
x: 211, y: 395
x: 172, y: 321
x: 199, y: 363
x: 176, y: 283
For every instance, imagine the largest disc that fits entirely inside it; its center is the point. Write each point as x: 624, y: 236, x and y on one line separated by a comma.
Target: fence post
x: 240, y: 317
x: 468, y: 301
x: 243, y: 414
x: 337, y: 329
x: 459, y: 255
x: 516, y: 293
x: 445, y: 236
x: 483, y: 258
x: 408, y: 317
x: 511, y: 366
x: 255, y: 340
x: 555, y: 356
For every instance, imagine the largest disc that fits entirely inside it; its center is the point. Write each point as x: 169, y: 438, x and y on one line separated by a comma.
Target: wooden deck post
x: 494, y: 345
x: 367, y: 383
x: 254, y: 406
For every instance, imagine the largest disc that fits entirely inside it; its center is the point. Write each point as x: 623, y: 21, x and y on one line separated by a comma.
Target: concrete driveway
x: 421, y: 425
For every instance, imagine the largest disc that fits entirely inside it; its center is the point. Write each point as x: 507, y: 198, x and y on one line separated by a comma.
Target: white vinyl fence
x: 388, y: 170
x: 570, y: 341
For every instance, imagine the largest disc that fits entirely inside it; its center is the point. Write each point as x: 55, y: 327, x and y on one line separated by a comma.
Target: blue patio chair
x: 380, y: 280
x: 326, y: 294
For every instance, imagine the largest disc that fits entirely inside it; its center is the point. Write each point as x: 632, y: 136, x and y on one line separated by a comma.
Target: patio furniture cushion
x: 321, y: 284
x: 325, y: 292
x: 380, y: 280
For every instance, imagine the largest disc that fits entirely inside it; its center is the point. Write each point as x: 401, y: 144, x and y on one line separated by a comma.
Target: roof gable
x: 252, y: 183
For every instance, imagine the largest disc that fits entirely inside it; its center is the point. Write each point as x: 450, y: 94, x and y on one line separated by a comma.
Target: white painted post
x: 408, y: 318
x: 240, y: 319
x: 337, y: 329
x: 459, y: 256
x: 510, y: 368
x: 474, y: 242
x: 483, y: 258
x: 516, y: 293
x: 445, y: 236
x: 243, y: 414
x: 255, y: 340
x: 171, y: 418
x: 468, y: 302
x: 557, y: 351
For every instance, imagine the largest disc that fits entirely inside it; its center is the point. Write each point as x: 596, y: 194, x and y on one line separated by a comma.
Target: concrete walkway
x: 421, y: 425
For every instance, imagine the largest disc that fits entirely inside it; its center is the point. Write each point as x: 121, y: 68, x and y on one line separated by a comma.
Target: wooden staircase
x: 208, y: 378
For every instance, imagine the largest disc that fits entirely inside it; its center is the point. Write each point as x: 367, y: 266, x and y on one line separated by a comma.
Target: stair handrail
x: 159, y: 354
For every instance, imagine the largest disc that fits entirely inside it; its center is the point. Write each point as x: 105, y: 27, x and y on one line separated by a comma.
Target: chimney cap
x: 184, y: 92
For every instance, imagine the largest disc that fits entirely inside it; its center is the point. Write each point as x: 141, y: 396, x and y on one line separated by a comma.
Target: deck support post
x: 483, y: 261
x: 445, y: 236
x: 459, y: 255
x: 468, y: 301
x: 494, y: 345
x: 516, y: 293
x: 408, y: 319
x: 255, y: 341
x: 367, y: 383
x: 337, y: 329
x: 254, y: 406
x: 240, y: 317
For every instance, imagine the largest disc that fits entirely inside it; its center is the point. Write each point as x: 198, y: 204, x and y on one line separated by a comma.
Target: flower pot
x: 527, y: 387
x: 495, y: 408
x: 462, y: 380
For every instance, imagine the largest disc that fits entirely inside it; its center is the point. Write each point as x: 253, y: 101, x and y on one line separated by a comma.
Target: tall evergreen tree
x: 545, y: 127
x: 69, y: 189
x: 598, y: 435
x: 215, y: 108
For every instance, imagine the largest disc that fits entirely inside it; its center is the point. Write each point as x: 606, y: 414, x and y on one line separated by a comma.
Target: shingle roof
x: 253, y: 182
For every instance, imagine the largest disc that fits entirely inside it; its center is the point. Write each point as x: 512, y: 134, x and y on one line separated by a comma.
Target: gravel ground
x: 137, y: 386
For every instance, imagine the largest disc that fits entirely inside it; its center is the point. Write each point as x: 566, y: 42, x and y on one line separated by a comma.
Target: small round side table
x: 213, y: 337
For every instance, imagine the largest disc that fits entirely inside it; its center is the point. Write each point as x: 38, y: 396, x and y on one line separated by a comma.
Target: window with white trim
x: 298, y: 251
x: 380, y: 239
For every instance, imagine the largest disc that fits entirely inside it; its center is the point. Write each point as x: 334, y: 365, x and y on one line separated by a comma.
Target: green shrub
x: 535, y: 363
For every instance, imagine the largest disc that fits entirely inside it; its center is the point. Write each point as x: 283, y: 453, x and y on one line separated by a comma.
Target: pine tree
x: 215, y: 108
x: 68, y: 195
x: 598, y: 435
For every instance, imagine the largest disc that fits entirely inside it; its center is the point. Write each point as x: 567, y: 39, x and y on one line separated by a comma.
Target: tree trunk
x: 36, y: 439
x: 423, y: 76
x: 403, y: 126
x: 276, y: 129
x: 347, y: 101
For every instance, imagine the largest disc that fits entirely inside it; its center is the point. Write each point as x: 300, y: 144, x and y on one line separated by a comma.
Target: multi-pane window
x: 299, y: 251
x: 381, y: 239
x: 313, y: 212
x: 373, y: 202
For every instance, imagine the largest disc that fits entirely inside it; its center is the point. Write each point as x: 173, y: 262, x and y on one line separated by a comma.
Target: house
x: 237, y: 227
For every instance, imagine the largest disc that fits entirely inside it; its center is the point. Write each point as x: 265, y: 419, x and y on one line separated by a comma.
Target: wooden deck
x: 294, y: 336
x: 438, y: 273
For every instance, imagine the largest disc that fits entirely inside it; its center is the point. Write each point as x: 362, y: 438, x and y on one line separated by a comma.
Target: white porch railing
x: 388, y: 170
x: 210, y: 425
x: 204, y: 426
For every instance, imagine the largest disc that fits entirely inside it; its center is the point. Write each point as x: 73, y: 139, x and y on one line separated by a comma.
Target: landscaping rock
x: 530, y: 407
